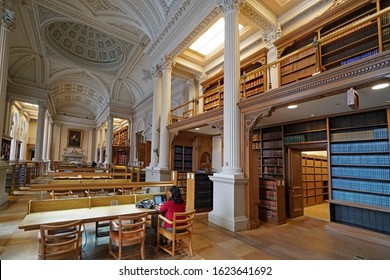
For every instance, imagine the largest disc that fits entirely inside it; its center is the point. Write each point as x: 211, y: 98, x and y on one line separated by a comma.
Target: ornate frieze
x: 230, y: 5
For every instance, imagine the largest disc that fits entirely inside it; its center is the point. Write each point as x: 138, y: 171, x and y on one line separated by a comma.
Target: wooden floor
x: 303, y: 238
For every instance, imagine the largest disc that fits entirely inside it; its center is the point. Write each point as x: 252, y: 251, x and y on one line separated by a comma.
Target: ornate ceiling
x: 86, y: 54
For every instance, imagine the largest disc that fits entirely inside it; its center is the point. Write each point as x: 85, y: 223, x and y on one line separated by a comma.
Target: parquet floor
x: 303, y: 238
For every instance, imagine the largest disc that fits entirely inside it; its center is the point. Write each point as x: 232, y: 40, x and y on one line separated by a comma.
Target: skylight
x: 211, y: 39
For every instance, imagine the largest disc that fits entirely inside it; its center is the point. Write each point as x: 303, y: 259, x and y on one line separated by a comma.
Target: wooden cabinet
x: 5, y: 148
x: 272, y: 207
x: 182, y: 158
x: 360, y: 170
x: 213, y: 94
x: 314, y: 179
x: 271, y: 152
x: 199, y: 192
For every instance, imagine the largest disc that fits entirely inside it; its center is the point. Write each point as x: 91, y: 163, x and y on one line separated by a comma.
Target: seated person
x: 174, y: 204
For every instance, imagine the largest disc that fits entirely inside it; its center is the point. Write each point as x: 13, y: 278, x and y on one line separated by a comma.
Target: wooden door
x: 295, y: 186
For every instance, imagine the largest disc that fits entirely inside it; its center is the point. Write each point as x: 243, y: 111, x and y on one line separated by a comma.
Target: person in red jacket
x: 174, y: 204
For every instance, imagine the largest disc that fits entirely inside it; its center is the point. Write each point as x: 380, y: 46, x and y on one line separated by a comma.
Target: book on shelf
x: 362, y: 198
x: 359, y: 56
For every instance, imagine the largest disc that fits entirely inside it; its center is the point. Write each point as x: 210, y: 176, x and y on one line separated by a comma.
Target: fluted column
x: 156, y: 74
x: 49, y: 139
x: 166, y: 67
x: 40, y: 129
x: 110, y: 128
x: 57, y: 141
x: 200, y: 79
x: 231, y: 112
x: 90, y: 145
x: 45, y: 130
x: 101, y: 160
x: 7, y: 24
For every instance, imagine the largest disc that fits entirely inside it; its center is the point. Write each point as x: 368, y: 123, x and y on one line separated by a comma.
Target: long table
x: 86, y: 215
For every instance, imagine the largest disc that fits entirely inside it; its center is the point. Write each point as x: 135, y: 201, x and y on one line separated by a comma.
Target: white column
x: 231, y: 112
x: 110, y: 127
x: 229, y: 198
x: 57, y: 141
x: 166, y: 67
x: 90, y: 145
x: 6, y: 24
x: 101, y: 160
x: 191, y: 94
x: 156, y: 73
x: 40, y: 129
x: 49, y: 140
x: 200, y: 79
x: 45, y: 134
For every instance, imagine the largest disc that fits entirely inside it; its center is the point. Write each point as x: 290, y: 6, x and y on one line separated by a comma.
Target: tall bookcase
x: 314, y: 179
x: 306, y: 132
x: 182, y: 183
x: 272, y: 206
x: 352, y: 45
x: 5, y: 148
x: 121, y: 136
x: 360, y: 170
x: 182, y: 158
x: 199, y: 192
x: 271, y: 153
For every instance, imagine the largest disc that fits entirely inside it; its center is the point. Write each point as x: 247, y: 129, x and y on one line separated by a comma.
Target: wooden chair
x: 128, y: 230
x: 181, y: 231
x: 60, y: 241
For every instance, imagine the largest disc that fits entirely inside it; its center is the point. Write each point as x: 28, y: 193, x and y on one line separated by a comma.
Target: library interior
x: 272, y: 118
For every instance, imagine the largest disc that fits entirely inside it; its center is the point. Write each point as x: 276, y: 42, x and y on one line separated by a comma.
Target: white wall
x: 216, y: 163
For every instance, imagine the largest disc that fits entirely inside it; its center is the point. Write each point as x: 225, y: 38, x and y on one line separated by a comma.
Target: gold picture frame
x: 75, y: 138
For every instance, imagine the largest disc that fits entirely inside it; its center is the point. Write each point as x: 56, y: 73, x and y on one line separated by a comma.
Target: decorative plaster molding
x: 256, y: 17
x: 230, y: 5
x: 168, y: 27
x: 7, y: 17
x: 251, y: 119
x: 104, y: 5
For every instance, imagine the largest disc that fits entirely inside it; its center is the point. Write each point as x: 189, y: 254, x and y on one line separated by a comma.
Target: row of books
x: 385, y: 19
x: 362, y: 172
x: 298, y: 56
x: 361, y: 159
x: 256, y: 145
x: 362, y: 198
x: 359, y: 56
x: 272, y: 161
x: 305, y: 72
x: 298, y: 65
x: 272, y: 153
x: 252, y: 76
x: 307, y: 137
x: 272, y: 135
x: 343, y: 34
x: 361, y: 186
x: 360, y: 147
x: 254, y: 91
x: 267, y: 194
x: 272, y: 144
x: 271, y: 169
x: 386, y: 33
x: 369, y: 134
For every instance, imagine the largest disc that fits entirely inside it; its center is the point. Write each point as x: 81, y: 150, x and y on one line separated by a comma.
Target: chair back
x: 128, y: 230
x: 183, y: 221
x: 60, y: 242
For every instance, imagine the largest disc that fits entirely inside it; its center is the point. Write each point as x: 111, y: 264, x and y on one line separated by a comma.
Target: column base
x: 229, y: 201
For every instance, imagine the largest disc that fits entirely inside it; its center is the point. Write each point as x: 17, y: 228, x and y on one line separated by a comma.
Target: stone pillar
x: 110, y: 128
x: 45, y: 130
x: 156, y: 73
x: 200, y: 79
x: 101, y: 130
x: 166, y: 67
x: 229, y: 186
x: 49, y: 141
x: 40, y: 129
x: 90, y: 145
x: 57, y: 141
x: 6, y: 25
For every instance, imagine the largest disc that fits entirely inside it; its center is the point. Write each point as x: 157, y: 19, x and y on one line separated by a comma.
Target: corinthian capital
x: 229, y: 5
x: 167, y: 63
x: 156, y: 72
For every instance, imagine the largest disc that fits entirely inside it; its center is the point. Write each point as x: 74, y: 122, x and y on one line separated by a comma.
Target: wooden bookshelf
x: 305, y: 132
x: 120, y: 137
x: 199, y: 192
x: 314, y: 179
x: 5, y: 148
x: 182, y: 183
x: 182, y: 158
x: 385, y: 26
x: 360, y: 169
x: 270, y: 145
x: 272, y: 207
x: 360, y: 42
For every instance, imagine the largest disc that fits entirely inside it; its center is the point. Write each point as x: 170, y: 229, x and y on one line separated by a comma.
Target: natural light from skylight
x: 211, y: 39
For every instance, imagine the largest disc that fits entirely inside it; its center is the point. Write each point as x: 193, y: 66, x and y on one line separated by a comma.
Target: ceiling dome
x: 85, y: 44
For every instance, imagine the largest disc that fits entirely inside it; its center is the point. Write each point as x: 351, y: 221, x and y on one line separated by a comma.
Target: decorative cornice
x: 251, y: 119
x: 102, y: 5
x: 168, y: 27
x: 230, y: 5
x: 256, y: 17
x: 201, y: 27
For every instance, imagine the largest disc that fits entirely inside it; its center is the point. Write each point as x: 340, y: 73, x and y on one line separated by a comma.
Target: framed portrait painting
x: 74, y: 138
